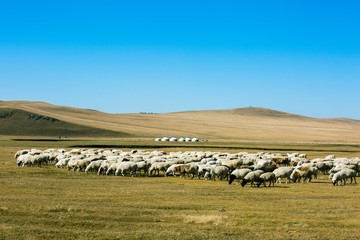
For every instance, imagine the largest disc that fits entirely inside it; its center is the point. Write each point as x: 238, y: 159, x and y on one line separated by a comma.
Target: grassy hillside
x: 243, y: 124
x: 24, y: 123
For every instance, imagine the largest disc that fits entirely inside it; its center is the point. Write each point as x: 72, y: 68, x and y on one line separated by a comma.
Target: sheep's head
x: 232, y: 178
x: 244, y: 182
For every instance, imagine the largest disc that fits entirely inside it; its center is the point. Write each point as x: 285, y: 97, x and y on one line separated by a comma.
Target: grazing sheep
x: 62, y: 162
x: 156, y: 167
x: 238, y: 174
x: 343, y: 175
x: 126, y: 167
x: 105, y: 165
x: 143, y: 166
x: 81, y: 165
x: 23, y: 160
x: 21, y: 152
x: 338, y: 178
x: 283, y: 172
x: 305, y: 172
x: 182, y: 169
x: 340, y: 167
x: 203, y: 169
x: 220, y: 171
x: 324, y: 166
x: 28, y: 160
x: 93, y: 166
x: 252, y: 177
x: 267, y: 177
x: 190, y: 169
x: 172, y: 170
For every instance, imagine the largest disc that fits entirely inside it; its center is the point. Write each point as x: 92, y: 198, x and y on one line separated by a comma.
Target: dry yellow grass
x: 49, y: 203
x: 248, y: 124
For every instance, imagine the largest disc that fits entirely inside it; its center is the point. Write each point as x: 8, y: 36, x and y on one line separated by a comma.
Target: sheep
x: 191, y: 169
x: 93, y: 166
x: 262, y: 163
x: 220, y: 171
x: 305, y: 172
x: 72, y: 163
x: 203, y: 169
x: 267, y: 177
x: 182, y: 169
x: 281, y: 160
x: 23, y: 159
x: 159, y: 166
x: 81, y: 164
x: 343, y: 175
x: 28, y: 160
x: 112, y: 168
x: 62, y: 162
x: 105, y: 166
x: 339, y: 177
x: 172, y: 170
x: 324, y: 166
x: 340, y: 167
x: 144, y: 166
x: 283, y: 172
x: 125, y: 167
x: 297, y: 175
x: 21, y: 152
x: 251, y: 177
x: 238, y: 174
x: 232, y: 164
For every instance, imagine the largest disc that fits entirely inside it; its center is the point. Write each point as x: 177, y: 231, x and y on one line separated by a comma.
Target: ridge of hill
x: 249, y: 124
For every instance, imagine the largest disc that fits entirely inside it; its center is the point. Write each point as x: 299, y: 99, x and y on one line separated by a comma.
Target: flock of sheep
x: 255, y: 168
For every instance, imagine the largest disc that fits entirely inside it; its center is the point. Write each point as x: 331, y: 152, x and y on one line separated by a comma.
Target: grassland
x: 49, y: 203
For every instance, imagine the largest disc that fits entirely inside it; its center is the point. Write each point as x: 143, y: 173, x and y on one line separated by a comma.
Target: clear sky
x: 298, y: 56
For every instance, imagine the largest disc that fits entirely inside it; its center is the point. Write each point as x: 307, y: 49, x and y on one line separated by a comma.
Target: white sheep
x: 283, y: 172
x: 105, y: 165
x: 21, y: 152
x: 172, y: 170
x: 238, y: 174
x: 267, y: 177
x: 156, y: 167
x: 343, y: 175
x: 143, y: 166
x: 93, y: 166
x: 126, y: 167
x: 62, y: 162
x: 252, y: 177
x: 220, y: 171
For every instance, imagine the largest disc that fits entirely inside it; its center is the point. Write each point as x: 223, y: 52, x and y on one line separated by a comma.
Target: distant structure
x: 181, y: 139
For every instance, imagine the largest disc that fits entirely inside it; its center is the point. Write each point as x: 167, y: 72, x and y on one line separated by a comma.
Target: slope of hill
x: 248, y: 124
x: 24, y: 123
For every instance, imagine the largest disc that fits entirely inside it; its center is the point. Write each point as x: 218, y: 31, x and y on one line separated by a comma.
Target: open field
x: 54, y: 203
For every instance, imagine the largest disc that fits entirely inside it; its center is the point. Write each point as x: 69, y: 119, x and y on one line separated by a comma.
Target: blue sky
x: 163, y: 56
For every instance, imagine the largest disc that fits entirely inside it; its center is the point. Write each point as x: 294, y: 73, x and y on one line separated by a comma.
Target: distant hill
x: 23, y: 123
x: 241, y: 124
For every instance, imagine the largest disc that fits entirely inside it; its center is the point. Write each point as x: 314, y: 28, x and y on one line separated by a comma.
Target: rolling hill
x: 242, y: 124
x: 18, y: 122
